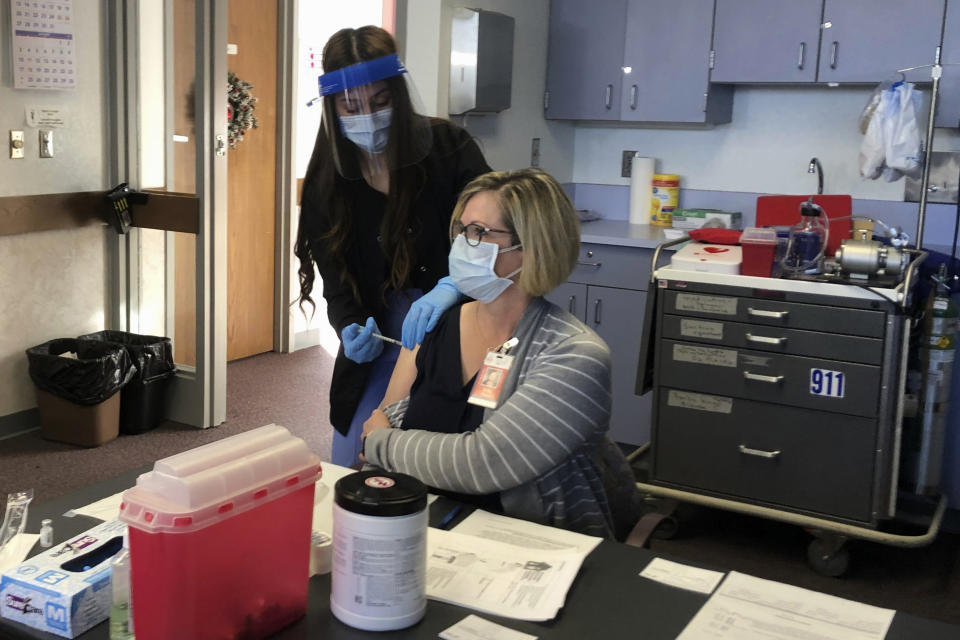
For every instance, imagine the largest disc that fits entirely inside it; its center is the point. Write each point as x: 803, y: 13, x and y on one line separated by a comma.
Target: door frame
x: 197, y: 395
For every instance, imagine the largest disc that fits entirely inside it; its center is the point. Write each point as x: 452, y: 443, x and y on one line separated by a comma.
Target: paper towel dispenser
x: 481, y: 61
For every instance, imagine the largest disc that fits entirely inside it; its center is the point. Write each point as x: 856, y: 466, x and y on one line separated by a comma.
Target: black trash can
x: 77, y: 383
x: 142, y: 400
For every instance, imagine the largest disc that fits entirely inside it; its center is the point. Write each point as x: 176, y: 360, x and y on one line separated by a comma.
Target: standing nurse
x: 374, y: 218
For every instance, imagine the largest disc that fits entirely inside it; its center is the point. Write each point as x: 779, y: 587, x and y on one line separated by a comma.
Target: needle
x: 386, y: 339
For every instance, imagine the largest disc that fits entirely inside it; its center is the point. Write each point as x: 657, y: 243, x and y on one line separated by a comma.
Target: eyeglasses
x: 474, y: 233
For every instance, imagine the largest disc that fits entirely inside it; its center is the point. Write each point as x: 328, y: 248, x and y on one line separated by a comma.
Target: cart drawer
x: 775, y: 339
x: 794, y: 315
x: 613, y: 266
x: 814, y: 383
x: 759, y: 452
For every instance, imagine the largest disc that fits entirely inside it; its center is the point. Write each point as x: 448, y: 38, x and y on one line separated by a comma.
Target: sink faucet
x: 817, y: 168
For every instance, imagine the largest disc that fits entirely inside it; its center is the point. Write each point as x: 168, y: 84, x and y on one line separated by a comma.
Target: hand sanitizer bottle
x: 121, y: 608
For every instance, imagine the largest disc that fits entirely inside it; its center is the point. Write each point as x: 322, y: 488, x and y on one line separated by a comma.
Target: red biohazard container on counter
x: 759, y: 248
x: 220, y: 538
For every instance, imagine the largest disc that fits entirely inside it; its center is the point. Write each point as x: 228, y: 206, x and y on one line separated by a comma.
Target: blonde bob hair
x: 540, y: 217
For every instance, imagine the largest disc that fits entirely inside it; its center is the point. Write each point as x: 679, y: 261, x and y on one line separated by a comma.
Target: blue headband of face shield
x: 360, y: 74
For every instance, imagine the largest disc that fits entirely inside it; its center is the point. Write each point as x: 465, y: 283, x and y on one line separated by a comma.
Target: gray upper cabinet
x: 766, y: 40
x: 665, y: 45
x: 868, y: 40
x: 948, y: 108
x: 586, y: 53
x: 666, y: 64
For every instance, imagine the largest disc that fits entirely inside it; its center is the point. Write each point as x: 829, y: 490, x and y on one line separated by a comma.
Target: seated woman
x: 538, y: 447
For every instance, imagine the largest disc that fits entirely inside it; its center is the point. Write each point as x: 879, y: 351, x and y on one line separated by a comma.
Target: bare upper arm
x: 404, y: 374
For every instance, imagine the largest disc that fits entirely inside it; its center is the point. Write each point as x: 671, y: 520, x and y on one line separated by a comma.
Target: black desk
x: 607, y: 600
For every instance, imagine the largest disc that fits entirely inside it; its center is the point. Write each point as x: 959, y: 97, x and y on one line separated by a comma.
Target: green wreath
x: 240, y: 106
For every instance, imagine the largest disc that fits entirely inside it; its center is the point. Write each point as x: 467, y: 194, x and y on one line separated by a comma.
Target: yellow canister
x: 666, y: 192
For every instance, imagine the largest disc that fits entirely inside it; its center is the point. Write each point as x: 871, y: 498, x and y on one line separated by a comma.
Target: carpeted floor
x: 292, y: 390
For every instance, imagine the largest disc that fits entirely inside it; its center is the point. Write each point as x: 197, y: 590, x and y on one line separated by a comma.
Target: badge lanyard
x: 489, y: 382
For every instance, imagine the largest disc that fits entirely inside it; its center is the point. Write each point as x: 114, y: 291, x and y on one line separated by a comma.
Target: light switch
x: 16, y: 144
x: 46, y: 143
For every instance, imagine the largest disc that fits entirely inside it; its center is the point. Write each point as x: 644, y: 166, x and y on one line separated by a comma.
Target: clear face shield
x: 371, y: 116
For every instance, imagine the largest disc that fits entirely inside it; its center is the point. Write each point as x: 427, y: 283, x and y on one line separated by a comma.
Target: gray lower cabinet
x: 948, y: 108
x: 766, y: 40
x: 616, y: 314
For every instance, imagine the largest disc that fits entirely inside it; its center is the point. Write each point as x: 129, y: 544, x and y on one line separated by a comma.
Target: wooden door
x: 251, y: 203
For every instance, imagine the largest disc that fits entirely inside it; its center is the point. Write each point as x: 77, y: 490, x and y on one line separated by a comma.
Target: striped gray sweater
x: 545, y: 448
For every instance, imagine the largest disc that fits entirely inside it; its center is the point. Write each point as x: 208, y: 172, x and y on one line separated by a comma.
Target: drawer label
x: 824, y: 382
x: 699, y: 401
x: 707, y: 304
x: 701, y: 329
x: 705, y: 355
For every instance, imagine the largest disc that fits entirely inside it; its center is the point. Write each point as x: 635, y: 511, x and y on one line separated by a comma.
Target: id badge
x: 490, y: 380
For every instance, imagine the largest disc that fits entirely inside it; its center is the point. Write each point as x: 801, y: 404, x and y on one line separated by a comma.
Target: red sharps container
x: 220, y: 538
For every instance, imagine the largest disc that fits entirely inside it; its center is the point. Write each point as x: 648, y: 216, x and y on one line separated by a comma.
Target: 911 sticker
x: 824, y: 382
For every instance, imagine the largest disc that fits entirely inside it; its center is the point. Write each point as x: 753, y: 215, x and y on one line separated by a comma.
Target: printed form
x: 749, y: 608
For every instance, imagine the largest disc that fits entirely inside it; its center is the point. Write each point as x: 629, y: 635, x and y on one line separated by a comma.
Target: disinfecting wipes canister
x: 379, y: 550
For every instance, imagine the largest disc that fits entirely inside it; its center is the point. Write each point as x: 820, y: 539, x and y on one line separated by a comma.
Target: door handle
x: 760, y: 313
x: 756, y: 377
x: 608, y: 96
x: 769, y: 455
x: 572, y: 305
x: 596, y: 311
x: 801, y: 55
x: 764, y: 339
x: 633, y: 96
x: 833, y: 54
x: 595, y: 265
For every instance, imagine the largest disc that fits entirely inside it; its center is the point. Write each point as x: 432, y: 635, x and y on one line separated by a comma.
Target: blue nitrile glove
x: 358, y: 342
x: 426, y: 310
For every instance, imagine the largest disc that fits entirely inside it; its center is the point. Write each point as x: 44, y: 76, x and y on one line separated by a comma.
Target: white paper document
x: 16, y: 550
x: 682, y: 576
x: 749, y: 608
x: 498, y: 578
x: 521, y: 533
x: 106, y: 509
x: 476, y: 628
x: 323, y: 495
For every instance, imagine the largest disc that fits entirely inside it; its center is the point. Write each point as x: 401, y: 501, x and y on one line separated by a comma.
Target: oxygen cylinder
x: 936, y: 356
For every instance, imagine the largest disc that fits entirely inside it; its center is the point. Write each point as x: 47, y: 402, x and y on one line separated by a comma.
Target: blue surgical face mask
x: 471, y: 269
x: 369, y: 131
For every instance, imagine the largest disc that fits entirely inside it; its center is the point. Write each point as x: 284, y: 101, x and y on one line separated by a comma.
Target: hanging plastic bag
x: 873, y: 149
x: 901, y: 133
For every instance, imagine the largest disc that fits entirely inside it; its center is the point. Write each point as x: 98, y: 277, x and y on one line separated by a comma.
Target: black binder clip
x: 119, y: 201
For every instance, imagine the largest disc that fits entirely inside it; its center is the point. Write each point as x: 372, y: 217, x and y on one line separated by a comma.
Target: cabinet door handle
x: 756, y: 377
x: 608, y: 96
x: 764, y: 339
x: 596, y: 311
x: 801, y: 55
x: 760, y: 313
x: 769, y: 455
x: 572, y: 307
x: 633, y: 96
x: 833, y: 54
x: 595, y: 265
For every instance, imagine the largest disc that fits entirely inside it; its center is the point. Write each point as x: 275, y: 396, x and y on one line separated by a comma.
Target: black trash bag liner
x: 152, y: 355
x: 99, y: 371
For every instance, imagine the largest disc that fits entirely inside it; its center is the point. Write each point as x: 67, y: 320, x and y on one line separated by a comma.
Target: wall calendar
x: 43, y: 44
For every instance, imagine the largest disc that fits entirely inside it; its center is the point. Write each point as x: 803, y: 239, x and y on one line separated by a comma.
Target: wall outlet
x: 535, y: 152
x: 626, y: 163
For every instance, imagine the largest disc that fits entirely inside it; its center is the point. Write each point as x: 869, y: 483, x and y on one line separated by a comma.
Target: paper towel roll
x: 321, y: 553
x: 641, y: 190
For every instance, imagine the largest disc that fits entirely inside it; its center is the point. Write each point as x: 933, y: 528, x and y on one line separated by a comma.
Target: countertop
x: 622, y: 233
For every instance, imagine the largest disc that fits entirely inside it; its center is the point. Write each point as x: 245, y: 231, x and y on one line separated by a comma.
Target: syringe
x: 386, y: 339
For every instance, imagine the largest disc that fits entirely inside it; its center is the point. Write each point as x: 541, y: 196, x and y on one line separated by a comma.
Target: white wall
x: 52, y: 283
x: 504, y: 137
x: 774, y: 133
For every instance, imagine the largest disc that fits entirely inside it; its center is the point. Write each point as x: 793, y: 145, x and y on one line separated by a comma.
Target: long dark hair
x: 327, y: 189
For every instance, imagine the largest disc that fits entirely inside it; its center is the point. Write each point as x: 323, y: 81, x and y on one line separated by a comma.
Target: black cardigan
x: 453, y: 161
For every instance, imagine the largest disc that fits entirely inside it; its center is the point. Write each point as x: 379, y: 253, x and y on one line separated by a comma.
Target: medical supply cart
x: 784, y: 399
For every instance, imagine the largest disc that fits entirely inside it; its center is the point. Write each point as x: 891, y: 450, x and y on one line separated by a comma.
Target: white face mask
x: 471, y: 269
x: 369, y: 131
